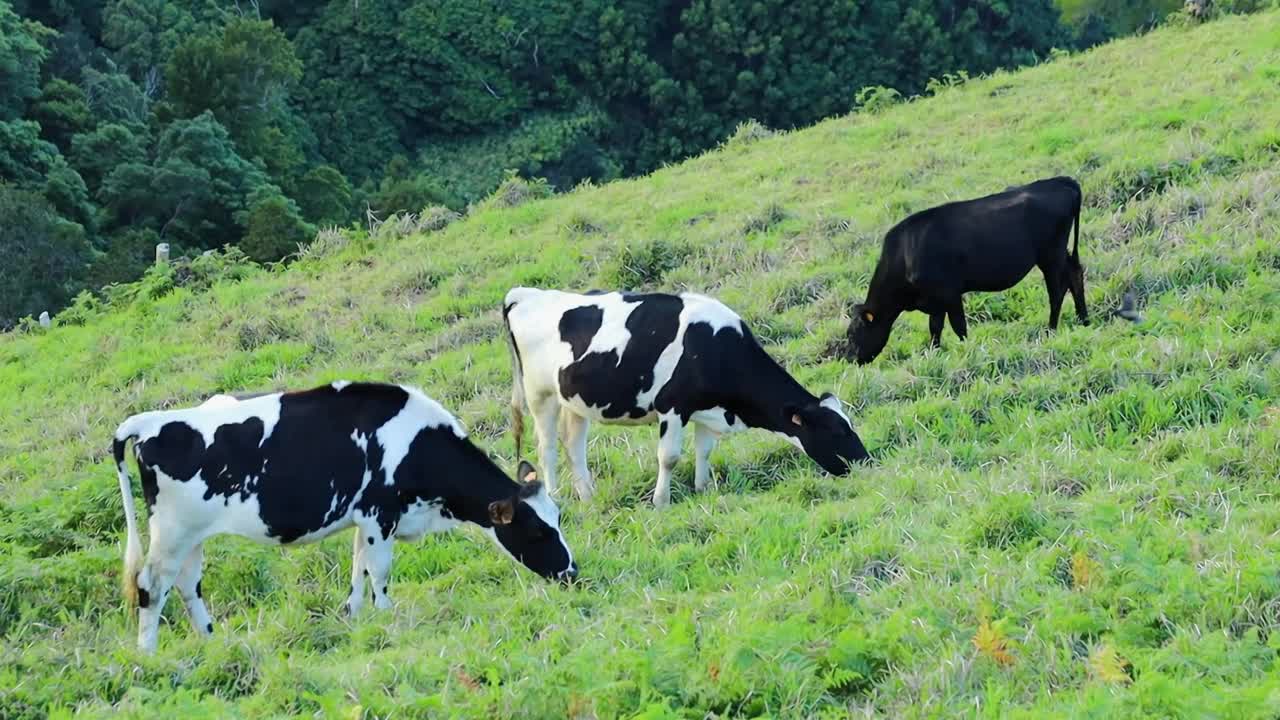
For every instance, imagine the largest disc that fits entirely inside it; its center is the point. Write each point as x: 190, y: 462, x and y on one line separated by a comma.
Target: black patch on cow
x: 209, y: 628
x: 150, y: 485
x: 370, y: 539
x: 729, y: 417
x: 601, y: 379
x: 579, y: 326
x: 144, y: 598
x: 384, y: 589
x: 662, y: 429
x: 366, y: 572
x: 198, y: 593
x: 295, y: 472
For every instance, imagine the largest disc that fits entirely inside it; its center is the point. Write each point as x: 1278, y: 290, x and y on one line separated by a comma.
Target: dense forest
x: 201, y: 123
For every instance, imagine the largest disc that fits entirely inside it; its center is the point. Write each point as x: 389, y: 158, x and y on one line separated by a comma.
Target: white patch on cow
x: 423, y: 517
x: 834, y: 404
x: 397, y: 434
x: 218, y: 401
x: 717, y: 420
x: 340, y: 385
x: 361, y: 441
x: 700, y: 308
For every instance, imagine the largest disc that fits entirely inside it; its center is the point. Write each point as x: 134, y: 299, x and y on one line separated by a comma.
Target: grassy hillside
x: 1074, y: 523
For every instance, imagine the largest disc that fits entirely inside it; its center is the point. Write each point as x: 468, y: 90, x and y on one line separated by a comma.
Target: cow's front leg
x: 670, y: 438
x: 704, y: 440
x: 377, y: 559
x: 355, y: 601
x: 575, y: 441
x: 546, y: 412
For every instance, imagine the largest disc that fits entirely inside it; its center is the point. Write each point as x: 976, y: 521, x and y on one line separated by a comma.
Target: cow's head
x: 527, y: 525
x: 868, y: 333
x: 824, y: 432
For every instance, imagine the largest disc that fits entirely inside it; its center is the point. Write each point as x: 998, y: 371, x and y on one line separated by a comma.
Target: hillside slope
x: 1074, y: 523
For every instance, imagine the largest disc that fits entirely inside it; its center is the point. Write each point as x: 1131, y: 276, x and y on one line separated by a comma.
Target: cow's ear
x: 502, y: 512
x: 527, y: 473
x: 529, y: 489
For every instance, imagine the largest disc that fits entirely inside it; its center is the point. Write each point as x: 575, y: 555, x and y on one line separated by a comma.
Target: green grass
x: 1082, y: 523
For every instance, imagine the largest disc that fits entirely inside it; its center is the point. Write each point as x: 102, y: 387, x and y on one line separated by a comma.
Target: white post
x: 44, y: 319
x: 162, y: 253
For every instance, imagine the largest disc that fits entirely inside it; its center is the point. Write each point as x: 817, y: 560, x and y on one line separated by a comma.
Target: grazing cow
x: 295, y: 467
x: 644, y: 358
x: 932, y: 258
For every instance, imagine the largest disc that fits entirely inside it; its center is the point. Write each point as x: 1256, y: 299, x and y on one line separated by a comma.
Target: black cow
x: 929, y: 260
x: 296, y: 467
x: 671, y: 359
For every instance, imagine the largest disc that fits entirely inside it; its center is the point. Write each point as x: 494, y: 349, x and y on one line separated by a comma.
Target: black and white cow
x: 644, y: 358
x: 295, y: 467
x: 929, y: 260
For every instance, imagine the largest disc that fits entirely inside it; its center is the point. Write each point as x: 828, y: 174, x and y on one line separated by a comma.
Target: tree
x: 274, y: 228
x: 69, y: 196
x: 144, y: 34
x: 21, y: 54
x: 43, y: 255
x: 241, y: 76
x: 24, y: 157
x: 324, y: 196
x: 95, y: 154
x: 114, y: 98
x: 196, y: 191
x: 62, y: 111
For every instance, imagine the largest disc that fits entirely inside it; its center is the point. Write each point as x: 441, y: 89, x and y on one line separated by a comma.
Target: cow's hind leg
x: 165, y: 557
x: 355, y: 601
x: 575, y: 441
x: 188, y: 585
x: 670, y: 438
x: 546, y: 412
x: 936, y: 321
x: 1055, y: 283
x: 704, y: 440
x: 956, y: 314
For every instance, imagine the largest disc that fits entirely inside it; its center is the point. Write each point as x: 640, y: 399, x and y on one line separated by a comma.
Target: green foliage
x: 409, y: 195
x: 324, y: 196
x: 196, y: 190
x: 95, y: 154
x: 24, y: 157
x: 43, y: 254
x: 243, y: 77
x: 61, y: 111
x: 274, y: 229
x: 21, y: 53
x: 145, y: 33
